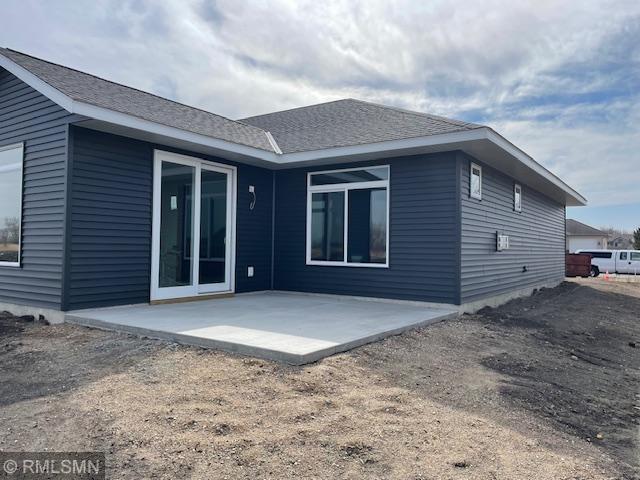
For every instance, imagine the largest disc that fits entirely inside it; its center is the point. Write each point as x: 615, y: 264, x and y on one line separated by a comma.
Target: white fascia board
x: 36, y: 83
x: 529, y: 162
x: 389, y: 146
x: 458, y: 138
x: 136, y: 123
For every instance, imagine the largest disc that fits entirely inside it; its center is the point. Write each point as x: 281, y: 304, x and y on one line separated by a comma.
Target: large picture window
x: 348, y: 216
x: 10, y: 204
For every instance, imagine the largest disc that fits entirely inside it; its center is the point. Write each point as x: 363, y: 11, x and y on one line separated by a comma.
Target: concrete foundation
x: 496, y: 301
x: 52, y: 316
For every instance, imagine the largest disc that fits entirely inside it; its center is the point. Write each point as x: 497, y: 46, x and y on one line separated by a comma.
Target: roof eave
x: 109, y: 120
x: 112, y: 117
x: 482, y: 143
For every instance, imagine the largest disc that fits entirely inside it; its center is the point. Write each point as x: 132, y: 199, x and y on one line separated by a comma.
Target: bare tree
x: 11, y: 230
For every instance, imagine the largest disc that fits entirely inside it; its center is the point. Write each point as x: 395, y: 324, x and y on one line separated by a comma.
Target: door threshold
x: 206, y: 296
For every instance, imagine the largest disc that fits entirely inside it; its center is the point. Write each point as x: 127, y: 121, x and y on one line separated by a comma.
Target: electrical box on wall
x: 502, y: 242
x: 250, y: 271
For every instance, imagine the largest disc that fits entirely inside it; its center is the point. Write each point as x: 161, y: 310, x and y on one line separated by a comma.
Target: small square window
x: 475, y: 182
x: 517, y: 198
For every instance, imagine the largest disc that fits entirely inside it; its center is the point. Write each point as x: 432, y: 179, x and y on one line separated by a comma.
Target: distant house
x: 622, y: 242
x: 581, y: 236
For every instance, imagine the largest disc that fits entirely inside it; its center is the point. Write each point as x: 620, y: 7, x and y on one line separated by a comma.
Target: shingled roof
x: 577, y: 228
x: 350, y: 122
x: 96, y: 91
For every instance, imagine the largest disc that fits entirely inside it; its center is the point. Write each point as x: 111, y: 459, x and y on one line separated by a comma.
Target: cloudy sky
x: 560, y: 80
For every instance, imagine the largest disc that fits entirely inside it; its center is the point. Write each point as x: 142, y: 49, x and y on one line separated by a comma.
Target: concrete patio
x: 289, y: 327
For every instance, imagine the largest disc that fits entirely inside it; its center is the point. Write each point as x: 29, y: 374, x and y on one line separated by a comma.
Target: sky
x: 559, y: 79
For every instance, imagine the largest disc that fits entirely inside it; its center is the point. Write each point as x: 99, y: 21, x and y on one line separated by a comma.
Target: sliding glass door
x: 192, y: 227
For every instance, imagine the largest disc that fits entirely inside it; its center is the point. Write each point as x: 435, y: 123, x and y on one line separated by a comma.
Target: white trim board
x: 475, y: 142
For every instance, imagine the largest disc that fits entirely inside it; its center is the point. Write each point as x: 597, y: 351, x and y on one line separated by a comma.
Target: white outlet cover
x: 250, y: 271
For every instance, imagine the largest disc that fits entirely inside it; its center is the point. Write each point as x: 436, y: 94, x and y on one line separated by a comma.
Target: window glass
x: 635, y: 256
x: 600, y: 254
x: 476, y: 182
x: 347, y: 222
x: 213, y: 227
x: 350, y: 176
x: 10, y: 203
x: 176, y: 217
x: 327, y: 226
x: 367, y: 233
x: 623, y: 255
x: 517, y: 198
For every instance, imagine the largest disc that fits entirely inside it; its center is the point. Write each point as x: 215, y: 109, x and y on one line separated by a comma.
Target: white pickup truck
x: 613, y: 261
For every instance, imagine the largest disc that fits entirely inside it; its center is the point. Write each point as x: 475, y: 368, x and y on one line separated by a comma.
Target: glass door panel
x: 213, y: 227
x: 176, y: 225
x: 193, y: 229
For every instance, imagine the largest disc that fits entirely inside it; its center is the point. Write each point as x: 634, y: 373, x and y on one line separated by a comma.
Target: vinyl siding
x: 29, y: 117
x: 536, y: 237
x: 110, y: 241
x: 253, y: 234
x: 111, y: 210
x: 423, y: 246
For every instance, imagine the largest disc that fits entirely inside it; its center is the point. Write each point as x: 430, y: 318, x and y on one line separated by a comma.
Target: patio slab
x: 289, y: 327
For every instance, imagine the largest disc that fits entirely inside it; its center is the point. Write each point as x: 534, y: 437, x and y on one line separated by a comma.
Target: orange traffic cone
x: 606, y: 275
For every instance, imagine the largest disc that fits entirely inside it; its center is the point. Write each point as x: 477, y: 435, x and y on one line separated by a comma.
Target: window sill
x: 10, y: 264
x: 319, y: 263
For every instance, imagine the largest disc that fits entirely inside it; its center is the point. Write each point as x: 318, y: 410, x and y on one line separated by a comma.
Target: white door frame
x: 195, y: 289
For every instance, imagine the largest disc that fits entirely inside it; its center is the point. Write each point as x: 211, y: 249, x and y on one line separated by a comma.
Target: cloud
x: 560, y: 80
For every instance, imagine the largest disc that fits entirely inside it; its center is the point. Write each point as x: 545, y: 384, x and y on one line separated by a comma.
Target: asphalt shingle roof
x: 349, y: 122
x: 327, y: 125
x: 578, y: 228
x: 93, y: 90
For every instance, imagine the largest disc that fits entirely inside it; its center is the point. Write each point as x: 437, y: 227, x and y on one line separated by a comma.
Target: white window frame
x: 517, y: 187
x: 477, y: 196
x: 16, y: 146
x: 195, y: 289
x: 345, y: 187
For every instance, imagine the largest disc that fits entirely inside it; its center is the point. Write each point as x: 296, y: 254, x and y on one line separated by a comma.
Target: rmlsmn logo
x: 53, y: 465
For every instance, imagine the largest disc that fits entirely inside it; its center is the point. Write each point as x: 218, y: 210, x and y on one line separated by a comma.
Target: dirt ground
x: 546, y: 387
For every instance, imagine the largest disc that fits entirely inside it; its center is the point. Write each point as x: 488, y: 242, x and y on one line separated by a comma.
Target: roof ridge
x: 450, y: 121
x: 125, y: 86
x: 589, y: 227
x: 293, y: 108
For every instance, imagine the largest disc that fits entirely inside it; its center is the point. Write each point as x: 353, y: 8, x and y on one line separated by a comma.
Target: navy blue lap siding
x: 111, y: 210
x: 110, y: 241
x: 536, y: 237
x: 423, y: 249
x: 28, y: 117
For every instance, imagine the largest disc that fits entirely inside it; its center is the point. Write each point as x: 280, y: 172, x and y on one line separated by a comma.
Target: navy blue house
x: 112, y: 196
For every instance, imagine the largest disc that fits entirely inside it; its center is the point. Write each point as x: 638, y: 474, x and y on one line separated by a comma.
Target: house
x: 622, y: 242
x: 583, y: 237
x: 113, y: 196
